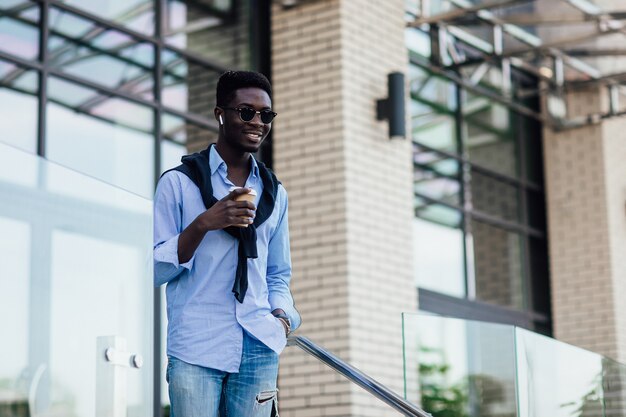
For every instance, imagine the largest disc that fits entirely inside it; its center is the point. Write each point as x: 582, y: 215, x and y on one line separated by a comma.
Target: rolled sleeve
x: 279, y: 268
x: 166, y: 265
x: 167, y: 228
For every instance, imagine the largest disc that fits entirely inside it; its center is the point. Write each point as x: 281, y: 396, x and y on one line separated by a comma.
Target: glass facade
x: 119, y: 90
x: 479, y: 201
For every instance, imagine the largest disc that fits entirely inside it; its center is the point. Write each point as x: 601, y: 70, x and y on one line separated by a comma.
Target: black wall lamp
x: 392, y: 107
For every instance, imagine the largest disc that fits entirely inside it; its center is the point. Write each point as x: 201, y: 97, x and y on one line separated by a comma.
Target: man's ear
x: 218, y: 115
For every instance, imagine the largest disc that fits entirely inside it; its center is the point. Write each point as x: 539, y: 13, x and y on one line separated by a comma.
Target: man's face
x: 246, y: 136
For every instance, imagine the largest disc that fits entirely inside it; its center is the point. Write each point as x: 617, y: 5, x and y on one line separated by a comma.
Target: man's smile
x: 253, y: 135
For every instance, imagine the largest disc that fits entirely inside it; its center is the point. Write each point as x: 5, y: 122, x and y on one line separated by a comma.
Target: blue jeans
x: 196, y: 391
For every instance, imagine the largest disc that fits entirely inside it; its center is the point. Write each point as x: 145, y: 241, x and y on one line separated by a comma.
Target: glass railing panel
x: 614, y: 388
x: 557, y: 379
x: 75, y: 266
x: 459, y: 368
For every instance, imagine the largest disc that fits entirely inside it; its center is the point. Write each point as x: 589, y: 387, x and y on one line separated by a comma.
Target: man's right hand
x: 228, y: 212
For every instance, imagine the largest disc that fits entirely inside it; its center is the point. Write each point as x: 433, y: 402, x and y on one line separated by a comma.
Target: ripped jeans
x: 196, y: 391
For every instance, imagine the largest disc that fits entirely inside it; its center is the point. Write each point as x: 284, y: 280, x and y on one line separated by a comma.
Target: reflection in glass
x: 18, y: 98
x: 429, y: 184
x: 114, y: 307
x: 181, y: 137
x: 459, y: 367
x: 108, y: 138
x: 491, y: 79
x: 14, y: 293
x: 417, y: 41
x: 495, y: 197
x: 171, y: 153
x: 498, y: 266
x: 557, y: 379
x: 437, y: 92
x: 427, y: 159
x: 210, y: 29
x: 436, y: 175
x: 437, y: 131
x: 437, y: 212
x: 488, y: 136
x: 188, y: 85
x: 105, y: 56
x: 77, y: 270
x: 137, y: 15
x: 456, y: 367
x: 438, y: 258
x: 19, y: 31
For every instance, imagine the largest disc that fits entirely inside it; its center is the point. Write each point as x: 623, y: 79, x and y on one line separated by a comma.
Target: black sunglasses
x: 246, y: 114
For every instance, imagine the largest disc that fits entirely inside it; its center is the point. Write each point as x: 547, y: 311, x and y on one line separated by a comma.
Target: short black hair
x: 231, y: 81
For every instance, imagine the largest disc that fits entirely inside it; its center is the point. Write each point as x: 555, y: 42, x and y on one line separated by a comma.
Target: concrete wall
x: 350, y: 191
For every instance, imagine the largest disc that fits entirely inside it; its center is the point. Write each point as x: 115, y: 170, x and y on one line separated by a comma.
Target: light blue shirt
x: 205, y: 321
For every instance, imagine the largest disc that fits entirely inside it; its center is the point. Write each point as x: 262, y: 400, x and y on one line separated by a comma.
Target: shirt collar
x: 216, y: 161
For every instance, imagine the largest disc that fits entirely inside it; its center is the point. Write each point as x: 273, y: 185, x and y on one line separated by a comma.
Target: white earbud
x: 221, y: 120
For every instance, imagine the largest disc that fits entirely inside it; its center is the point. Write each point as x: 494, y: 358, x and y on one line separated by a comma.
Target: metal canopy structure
x: 568, y: 45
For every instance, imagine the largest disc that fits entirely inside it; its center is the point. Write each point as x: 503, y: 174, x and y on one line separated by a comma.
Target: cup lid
x: 234, y: 187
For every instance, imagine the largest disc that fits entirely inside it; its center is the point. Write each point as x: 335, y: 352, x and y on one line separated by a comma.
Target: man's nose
x: 256, y: 120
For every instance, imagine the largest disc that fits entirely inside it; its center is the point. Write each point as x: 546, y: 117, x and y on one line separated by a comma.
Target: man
x: 226, y: 263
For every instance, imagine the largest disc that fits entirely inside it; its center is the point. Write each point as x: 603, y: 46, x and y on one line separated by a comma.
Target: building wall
x: 350, y: 191
x: 615, y: 168
x: 586, y: 190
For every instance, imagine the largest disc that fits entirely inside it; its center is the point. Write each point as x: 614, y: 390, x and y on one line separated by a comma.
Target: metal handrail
x: 350, y: 372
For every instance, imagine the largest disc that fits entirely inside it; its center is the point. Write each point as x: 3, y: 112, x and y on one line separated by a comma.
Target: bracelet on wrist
x: 285, y: 320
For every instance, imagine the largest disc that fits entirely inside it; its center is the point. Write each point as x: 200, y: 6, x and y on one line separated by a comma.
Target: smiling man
x: 226, y: 263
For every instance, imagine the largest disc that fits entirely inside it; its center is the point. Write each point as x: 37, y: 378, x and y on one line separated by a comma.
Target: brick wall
x: 350, y: 198
x: 586, y: 186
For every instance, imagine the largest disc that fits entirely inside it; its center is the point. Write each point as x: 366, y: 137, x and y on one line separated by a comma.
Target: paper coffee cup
x: 250, y: 196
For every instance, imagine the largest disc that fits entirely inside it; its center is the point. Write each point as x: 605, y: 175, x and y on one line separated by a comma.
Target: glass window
x: 137, y: 15
x: 437, y: 213
x: 187, y: 85
x: 181, y: 137
x: 217, y: 30
x: 432, y: 185
x: 436, y: 176
x: 18, y: 98
x: 438, y: 258
x: 109, y: 138
x: 488, y: 136
x: 530, y: 138
x: 497, y: 263
x: 19, y: 30
x: 104, y: 56
x: 427, y: 159
x: 418, y: 42
x: 495, y: 197
x: 435, y: 91
x: 436, y: 131
x: 536, y: 209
